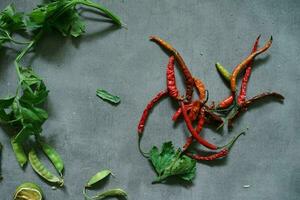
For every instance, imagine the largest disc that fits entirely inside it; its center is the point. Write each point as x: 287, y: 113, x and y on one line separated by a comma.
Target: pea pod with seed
x: 41, y: 170
x: 98, y: 177
x: 19, y: 152
x: 53, y: 156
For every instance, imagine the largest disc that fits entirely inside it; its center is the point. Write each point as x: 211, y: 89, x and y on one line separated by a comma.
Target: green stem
x: 24, y: 51
x: 98, y: 6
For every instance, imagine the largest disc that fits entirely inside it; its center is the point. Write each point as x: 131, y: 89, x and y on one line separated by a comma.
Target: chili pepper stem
x: 144, y: 154
x: 230, y: 144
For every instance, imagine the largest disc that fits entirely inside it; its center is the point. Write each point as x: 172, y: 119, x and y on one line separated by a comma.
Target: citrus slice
x: 28, y: 191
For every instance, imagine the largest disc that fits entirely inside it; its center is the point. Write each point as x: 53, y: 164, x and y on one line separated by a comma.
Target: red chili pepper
x: 149, y: 106
x: 188, y: 143
x: 249, y: 102
x: 263, y: 95
x: 224, y: 152
x: 201, y: 121
x: 220, y: 154
x: 199, y: 127
x: 186, y: 72
x: 243, y: 90
x: 201, y: 89
x: 244, y: 64
x: 178, y: 112
x: 171, y: 81
x: 193, y: 131
x: 194, y: 111
x: 226, y: 102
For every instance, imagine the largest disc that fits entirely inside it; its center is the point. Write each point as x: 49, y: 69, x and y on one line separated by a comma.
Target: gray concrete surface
x: 92, y: 135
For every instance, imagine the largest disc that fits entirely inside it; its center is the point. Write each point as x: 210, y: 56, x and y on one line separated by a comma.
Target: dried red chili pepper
x: 263, y: 95
x: 198, y: 129
x: 226, y: 102
x: 148, y: 108
x: 214, y: 156
x: 244, y: 64
x: 224, y: 152
x: 201, y: 89
x: 193, y: 131
x: 188, y: 143
x: 249, y: 102
x: 171, y: 81
x: 243, y: 90
x: 186, y: 72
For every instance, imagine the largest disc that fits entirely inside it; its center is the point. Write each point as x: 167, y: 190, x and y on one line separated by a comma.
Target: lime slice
x: 28, y: 191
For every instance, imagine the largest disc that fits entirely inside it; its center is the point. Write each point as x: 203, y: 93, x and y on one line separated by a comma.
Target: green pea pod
x: 107, y: 96
x: 110, y: 193
x: 41, y: 170
x: 223, y: 72
x: 98, y: 177
x: 54, y: 157
x: 19, y: 152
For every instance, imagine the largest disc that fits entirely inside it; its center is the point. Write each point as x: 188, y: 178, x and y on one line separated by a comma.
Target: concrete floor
x: 92, y: 135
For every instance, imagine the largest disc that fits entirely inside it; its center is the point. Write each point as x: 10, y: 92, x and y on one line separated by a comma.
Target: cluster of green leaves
x: 22, y: 111
x: 169, y: 162
x: 63, y: 16
x: 10, y: 21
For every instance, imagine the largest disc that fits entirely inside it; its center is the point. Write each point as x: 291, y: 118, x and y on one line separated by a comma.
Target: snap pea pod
x: 53, y: 156
x: 117, y: 192
x: 110, y: 193
x: 41, y: 170
x: 19, y: 152
x: 98, y: 177
x: 223, y: 72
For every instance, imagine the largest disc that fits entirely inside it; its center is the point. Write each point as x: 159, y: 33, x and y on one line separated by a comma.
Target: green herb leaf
x: 63, y: 16
x: 107, y: 96
x: 10, y: 20
x: 98, y: 177
x: 169, y: 162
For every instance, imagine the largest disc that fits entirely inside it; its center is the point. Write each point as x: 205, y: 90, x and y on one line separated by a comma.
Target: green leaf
x: 10, y: 20
x: 169, y: 162
x: 161, y: 160
x: 7, y: 102
x: 70, y: 23
x: 24, y: 134
x: 107, y: 96
x: 98, y: 177
x: 34, y: 89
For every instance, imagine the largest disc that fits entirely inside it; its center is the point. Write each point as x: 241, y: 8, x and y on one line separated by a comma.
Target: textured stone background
x: 92, y: 135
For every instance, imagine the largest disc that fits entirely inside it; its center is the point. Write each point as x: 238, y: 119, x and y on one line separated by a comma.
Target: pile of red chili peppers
x: 197, y: 111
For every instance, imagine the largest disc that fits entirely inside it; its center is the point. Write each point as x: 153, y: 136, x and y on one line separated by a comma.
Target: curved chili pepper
x: 226, y: 102
x: 223, y: 72
x: 186, y: 72
x: 220, y: 154
x: 244, y: 64
x: 224, y: 152
x: 201, y: 89
x: 232, y: 116
x: 263, y: 95
x: 188, y: 143
x: 149, y: 106
x: 171, y: 81
x: 193, y: 131
x: 243, y: 90
x: 179, y: 111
